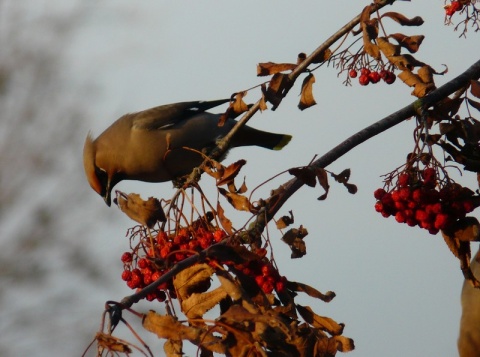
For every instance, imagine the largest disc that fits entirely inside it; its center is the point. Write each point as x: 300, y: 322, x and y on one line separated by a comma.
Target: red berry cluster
x: 141, y: 271
x: 265, y: 274
x: 367, y: 76
x: 453, y: 7
x: 417, y: 202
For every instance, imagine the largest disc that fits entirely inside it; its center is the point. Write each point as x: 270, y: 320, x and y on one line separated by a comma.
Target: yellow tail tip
x: 283, y: 142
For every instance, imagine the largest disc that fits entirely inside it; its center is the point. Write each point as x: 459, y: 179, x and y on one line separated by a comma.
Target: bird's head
x: 100, y: 178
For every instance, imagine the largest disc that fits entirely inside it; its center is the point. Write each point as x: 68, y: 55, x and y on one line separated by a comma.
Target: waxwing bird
x: 150, y: 145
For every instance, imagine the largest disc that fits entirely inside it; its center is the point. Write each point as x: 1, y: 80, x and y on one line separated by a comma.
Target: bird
x: 163, y: 144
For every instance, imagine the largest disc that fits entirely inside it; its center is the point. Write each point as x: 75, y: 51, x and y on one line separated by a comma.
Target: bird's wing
x: 167, y: 115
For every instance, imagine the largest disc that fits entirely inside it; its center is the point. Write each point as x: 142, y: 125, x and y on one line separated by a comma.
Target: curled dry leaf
x: 474, y: 104
x: 238, y: 201
x: 230, y: 172
x: 214, y: 169
x: 111, y: 343
x: 304, y: 174
x: 285, y: 221
x: 475, y: 88
x: 236, y: 107
x: 458, y: 238
x: 310, y: 291
x: 402, y: 20
x: 387, y: 48
x: 278, y: 86
x: 194, y: 279
x: 306, y: 97
x: 269, y: 68
x: 147, y: 213
x: 322, y: 178
x: 224, y: 221
x: 173, y: 348
x: 169, y: 327
x: 343, y: 176
x: 294, y: 238
x: 411, y: 43
x: 321, y: 322
x: 196, y: 305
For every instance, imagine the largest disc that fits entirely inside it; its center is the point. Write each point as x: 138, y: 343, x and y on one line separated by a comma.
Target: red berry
x: 404, y: 193
x: 417, y: 195
x: 259, y: 279
x: 364, y: 71
x: 280, y: 286
x: 126, y: 275
x: 400, y: 217
x: 267, y: 287
x: 442, y: 221
x: 364, y: 80
x: 379, y: 193
x: 390, y: 78
x: 374, y: 77
x: 352, y: 73
x: 421, y: 216
x: 219, y: 235
x: 379, y: 207
x: 143, y: 263
x: 403, y: 179
x: 429, y: 174
x: 468, y: 206
x: 127, y: 257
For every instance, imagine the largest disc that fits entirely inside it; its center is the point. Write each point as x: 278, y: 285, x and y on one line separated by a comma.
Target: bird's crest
x: 89, y: 164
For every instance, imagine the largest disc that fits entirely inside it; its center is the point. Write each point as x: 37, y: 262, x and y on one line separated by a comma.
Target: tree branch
x: 289, y: 188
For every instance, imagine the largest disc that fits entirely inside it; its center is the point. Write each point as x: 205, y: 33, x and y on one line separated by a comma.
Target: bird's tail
x: 249, y: 136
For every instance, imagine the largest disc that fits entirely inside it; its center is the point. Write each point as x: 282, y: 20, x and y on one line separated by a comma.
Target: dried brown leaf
x: 300, y: 287
x: 230, y: 172
x: 224, y: 221
x: 169, y: 327
x: 405, y: 62
x: 351, y: 188
x: 402, y: 20
x: 263, y: 103
x: 343, y: 344
x: 147, y: 213
x: 409, y: 78
x: 473, y: 103
x: 196, y: 305
x: 304, y: 174
x: 306, y: 97
x: 194, y: 279
x: 387, y: 48
x: 112, y: 343
x: 321, y: 322
x: 322, y: 178
x: 238, y: 201
x: 425, y: 73
x: 475, y: 88
x: 173, y: 348
x: 422, y: 89
x: 285, y: 221
x: 214, y: 169
x: 269, y: 68
x: 278, y: 86
x: 411, y: 43
x: 342, y: 177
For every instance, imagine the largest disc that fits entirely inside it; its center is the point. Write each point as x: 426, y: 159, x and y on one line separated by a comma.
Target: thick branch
x: 290, y: 187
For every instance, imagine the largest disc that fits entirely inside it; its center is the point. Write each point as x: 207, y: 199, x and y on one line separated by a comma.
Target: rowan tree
x: 189, y: 257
